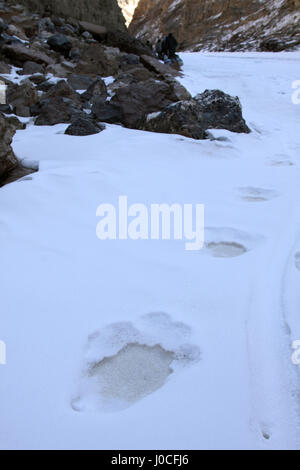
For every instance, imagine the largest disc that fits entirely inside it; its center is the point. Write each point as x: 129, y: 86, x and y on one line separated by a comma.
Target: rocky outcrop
x: 8, y: 160
x: 139, y: 99
x: 212, y: 109
x: 102, y: 12
x: 220, y: 24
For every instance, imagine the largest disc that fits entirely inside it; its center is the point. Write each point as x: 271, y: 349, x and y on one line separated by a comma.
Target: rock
x: 22, y: 111
x: 4, y: 68
x: 58, y: 21
x: 45, y: 24
x: 5, y: 109
x: 74, y: 54
x: 126, y: 43
x: 8, y: 160
x: 20, y: 96
x: 12, y: 30
x: 98, y: 60
x: 55, y: 111
x: 58, y: 70
x: 138, y: 74
x: 272, y: 45
x: 96, y: 90
x: 107, y: 112
x: 3, y: 26
x: 60, y: 43
x: 158, y: 67
x: 63, y: 89
x: 93, y: 30
x: 221, y: 111
x: 84, y: 126
x: 19, y: 54
x: 17, y: 173
x: 30, y: 68
x: 8, y: 40
x: 181, y: 118
x: 86, y: 35
x: 129, y: 59
x: 212, y: 109
x: 15, y: 123
x: 179, y: 91
x: 45, y: 86
x: 68, y: 29
x: 37, y: 79
x: 139, y: 99
x: 80, y: 82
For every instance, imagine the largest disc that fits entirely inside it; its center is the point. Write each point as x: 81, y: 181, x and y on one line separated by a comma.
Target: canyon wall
x: 103, y: 12
x: 219, y: 24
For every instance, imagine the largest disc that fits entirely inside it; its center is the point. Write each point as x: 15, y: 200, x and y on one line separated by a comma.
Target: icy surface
x: 62, y: 289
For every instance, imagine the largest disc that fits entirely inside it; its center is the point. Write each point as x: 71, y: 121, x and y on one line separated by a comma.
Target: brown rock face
x: 8, y: 160
x: 219, y: 24
x: 103, y: 12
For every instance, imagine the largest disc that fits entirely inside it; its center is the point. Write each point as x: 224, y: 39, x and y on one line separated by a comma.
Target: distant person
x: 171, y: 46
x: 164, y: 46
x: 159, y: 50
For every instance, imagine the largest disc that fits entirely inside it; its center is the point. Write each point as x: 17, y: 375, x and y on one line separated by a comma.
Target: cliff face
x: 103, y: 12
x: 219, y: 24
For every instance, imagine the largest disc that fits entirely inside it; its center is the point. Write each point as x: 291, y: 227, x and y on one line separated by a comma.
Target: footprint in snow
x: 125, y: 362
x: 257, y: 194
x: 228, y: 242
x: 226, y: 249
x: 297, y: 260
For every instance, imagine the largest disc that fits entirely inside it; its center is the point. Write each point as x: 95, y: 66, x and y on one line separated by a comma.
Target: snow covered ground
x: 68, y: 298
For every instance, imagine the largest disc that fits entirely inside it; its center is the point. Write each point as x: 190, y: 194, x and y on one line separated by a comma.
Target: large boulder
x: 97, y: 59
x: 127, y: 43
x: 62, y: 89
x: 158, y: 67
x: 139, y: 99
x: 60, y: 43
x: 84, y: 126
x: 22, y: 97
x: 8, y: 160
x: 212, y: 109
x: 19, y: 54
x: 4, y: 68
x: 221, y: 111
x: 96, y: 90
x: 181, y: 118
x: 80, y: 82
x: 107, y: 112
x: 56, y: 110
x: 95, y: 31
x: 30, y: 68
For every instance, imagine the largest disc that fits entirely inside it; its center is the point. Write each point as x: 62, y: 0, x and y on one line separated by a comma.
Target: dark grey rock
x: 107, y: 112
x: 80, y: 82
x: 83, y: 127
x: 60, y: 43
x: 221, y: 111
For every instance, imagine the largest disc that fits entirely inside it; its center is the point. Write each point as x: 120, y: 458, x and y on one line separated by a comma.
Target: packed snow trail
x: 237, y: 300
x: 274, y: 380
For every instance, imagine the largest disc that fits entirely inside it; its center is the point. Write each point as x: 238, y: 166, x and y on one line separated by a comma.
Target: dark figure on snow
x: 171, y: 46
x: 159, y: 49
x: 164, y: 46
